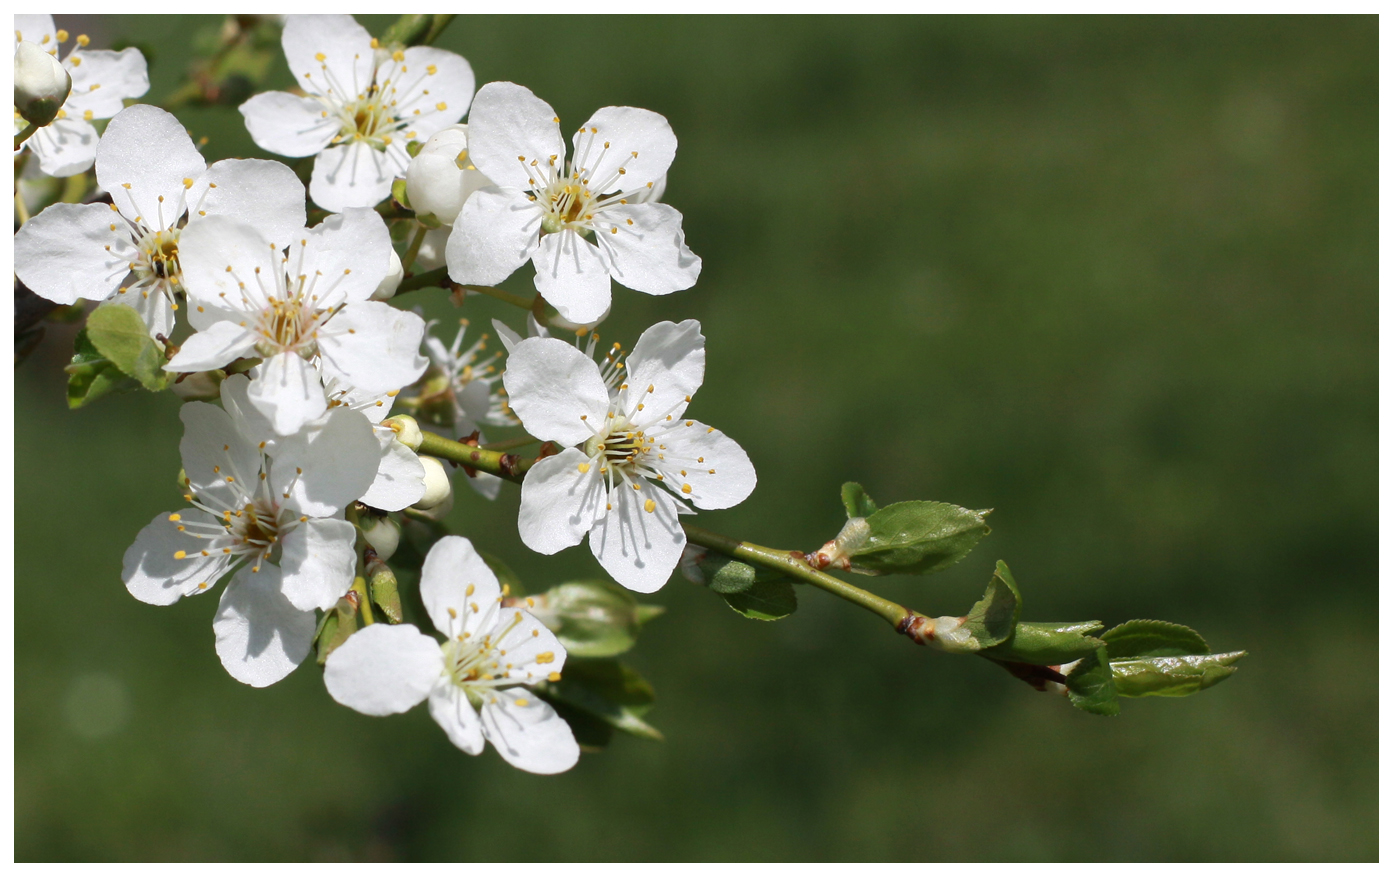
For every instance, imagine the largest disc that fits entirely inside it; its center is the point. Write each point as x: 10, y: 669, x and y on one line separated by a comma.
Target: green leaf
x: 91, y: 375
x: 992, y: 621
x: 119, y: 334
x: 1142, y: 638
x: 505, y: 573
x: 1046, y: 644
x: 1172, y: 676
x: 592, y: 619
x: 610, y: 691
x: 765, y: 601
x: 919, y: 537
x: 1090, y: 684
x: 858, y: 504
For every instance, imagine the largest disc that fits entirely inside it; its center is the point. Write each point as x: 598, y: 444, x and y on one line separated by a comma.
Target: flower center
x: 369, y: 121
x: 158, y: 258
x: 290, y: 323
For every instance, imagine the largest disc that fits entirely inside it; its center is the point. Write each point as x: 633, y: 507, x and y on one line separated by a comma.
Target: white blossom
x: 624, y: 428
x: 101, y: 81
x: 274, y: 515
x: 305, y: 312
x: 582, y: 221
x: 128, y: 251
x: 441, y: 177
x: 361, y: 107
x: 475, y: 680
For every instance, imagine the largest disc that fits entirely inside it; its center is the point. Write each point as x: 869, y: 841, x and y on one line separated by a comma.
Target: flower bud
x: 41, y: 84
x: 441, y: 177
x: 438, y: 488
x: 388, y: 287
x: 384, y: 535
x: 407, y: 430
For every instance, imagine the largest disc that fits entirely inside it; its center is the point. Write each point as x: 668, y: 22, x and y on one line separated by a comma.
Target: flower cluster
x: 300, y: 485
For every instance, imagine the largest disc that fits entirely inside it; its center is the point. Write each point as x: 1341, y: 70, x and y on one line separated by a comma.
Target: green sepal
x: 993, y: 619
x: 399, y: 184
x: 1173, y: 675
x: 1049, y: 643
x: 646, y: 612
x: 119, y: 334
x: 592, y: 619
x: 1144, y: 638
x: 91, y: 375
x: 413, y: 149
x: 919, y: 537
x: 607, y: 690
x: 1091, y: 686
x: 857, y: 503
x: 382, y: 587
x: 765, y: 601
x: 337, y: 625
x: 429, y: 220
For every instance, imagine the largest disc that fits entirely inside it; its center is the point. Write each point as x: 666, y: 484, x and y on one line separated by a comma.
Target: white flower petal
x: 639, y: 141
x: 383, y: 669
x: 508, y: 121
x: 327, y: 465
x: 228, y: 264
x: 261, y: 638
x: 432, y: 88
x: 264, y: 194
x: 317, y: 561
x: 373, y: 346
x: 450, y: 708
x: 670, y: 358
x: 64, y: 147
x: 254, y: 425
x: 288, y: 124
x: 347, y: 255
x: 533, y: 650
x: 400, y: 478
x: 527, y: 732
x: 708, y: 461
x: 222, y: 466
x: 286, y: 389
x: 353, y: 175
x: 154, y: 574
x: 455, y: 579
x: 506, y: 336
x: 638, y: 547
x: 212, y: 348
x: 572, y: 275
x: 62, y: 254
x: 145, y: 156
x: 556, y: 390
x: 560, y: 501
x: 650, y: 255
x: 345, y: 68
x: 103, y: 79
x: 34, y: 28
x: 494, y: 235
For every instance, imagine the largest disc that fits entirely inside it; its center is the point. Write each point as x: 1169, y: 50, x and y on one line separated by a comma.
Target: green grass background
x: 1113, y: 277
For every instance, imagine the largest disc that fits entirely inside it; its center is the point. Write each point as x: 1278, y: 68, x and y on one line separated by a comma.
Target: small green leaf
x: 858, y: 504
x: 1142, y: 638
x: 505, y: 573
x: 1172, y: 676
x: 592, y: 619
x: 765, y: 601
x: 119, y: 334
x: 607, y: 690
x: 1090, y: 684
x: 919, y: 537
x: 1048, y: 644
x: 992, y: 621
x: 91, y: 375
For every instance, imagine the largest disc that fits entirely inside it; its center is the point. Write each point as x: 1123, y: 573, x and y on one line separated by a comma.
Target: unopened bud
x: 438, y: 487
x: 407, y: 430
x: 441, y: 177
x: 382, y: 586
x: 384, y: 535
x: 41, y: 84
x: 388, y: 287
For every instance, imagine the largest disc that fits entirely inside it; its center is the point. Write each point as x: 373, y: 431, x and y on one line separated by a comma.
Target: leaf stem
x: 791, y: 563
x: 508, y: 466
x: 26, y: 133
x: 501, y: 294
x: 436, y: 277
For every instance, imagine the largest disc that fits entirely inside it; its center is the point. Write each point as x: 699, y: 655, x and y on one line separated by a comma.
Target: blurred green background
x: 1115, y: 278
